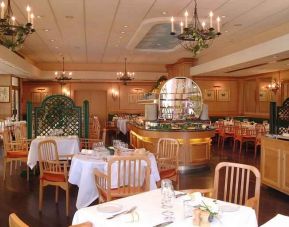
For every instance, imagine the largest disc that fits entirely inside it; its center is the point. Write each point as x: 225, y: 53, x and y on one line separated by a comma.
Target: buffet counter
x: 195, y: 143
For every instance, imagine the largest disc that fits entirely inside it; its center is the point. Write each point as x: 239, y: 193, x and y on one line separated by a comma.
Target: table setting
x: 82, y: 170
x: 167, y: 207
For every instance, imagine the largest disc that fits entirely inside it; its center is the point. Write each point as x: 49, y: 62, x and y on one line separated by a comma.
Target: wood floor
x: 19, y: 196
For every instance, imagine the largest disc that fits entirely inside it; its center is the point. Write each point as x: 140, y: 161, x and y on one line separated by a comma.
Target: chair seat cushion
x: 55, y: 177
x: 16, y: 154
x: 168, y: 173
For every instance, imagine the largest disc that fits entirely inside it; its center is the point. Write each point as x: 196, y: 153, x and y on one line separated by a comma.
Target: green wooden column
x: 29, y: 119
x: 86, y: 118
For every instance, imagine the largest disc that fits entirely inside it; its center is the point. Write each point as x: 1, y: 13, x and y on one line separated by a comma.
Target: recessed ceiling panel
x: 158, y: 38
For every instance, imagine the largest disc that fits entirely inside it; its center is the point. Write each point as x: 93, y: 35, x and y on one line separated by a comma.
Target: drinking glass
x: 168, y: 195
x: 188, y: 208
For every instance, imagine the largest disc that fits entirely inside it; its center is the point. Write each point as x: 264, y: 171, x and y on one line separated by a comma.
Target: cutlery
x: 123, y: 212
x: 163, y: 224
x: 181, y: 194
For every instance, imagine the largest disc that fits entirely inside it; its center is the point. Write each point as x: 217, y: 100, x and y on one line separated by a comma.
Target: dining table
x: 66, y: 145
x: 278, y: 221
x: 150, y: 213
x: 82, y: 174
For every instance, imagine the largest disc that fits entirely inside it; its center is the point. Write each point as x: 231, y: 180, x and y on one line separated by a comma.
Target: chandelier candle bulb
x: 182, y: 27
x: 32, y: 18
x: 204, y: 25
x: 28, y: 9
x: 172, y: 26
x: 211, y: 19
x: 13, y: 20
x: 2, y: 10
x: 186, y: 19
x: 218, y: 24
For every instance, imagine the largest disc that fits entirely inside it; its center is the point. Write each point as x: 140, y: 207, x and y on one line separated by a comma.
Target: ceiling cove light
x: 125, y: 76
x: 12, y: 33
x: 195, y: 36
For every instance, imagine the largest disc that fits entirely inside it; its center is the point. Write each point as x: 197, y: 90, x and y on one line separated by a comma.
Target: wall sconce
x: 275, y: 85
x: 114, y: 94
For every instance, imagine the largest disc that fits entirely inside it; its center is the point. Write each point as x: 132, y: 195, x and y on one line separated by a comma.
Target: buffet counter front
x: 195, y: 145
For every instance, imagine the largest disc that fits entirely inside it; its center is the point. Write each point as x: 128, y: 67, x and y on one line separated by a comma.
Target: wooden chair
x: 13, y: 151
x: 260, y: 131
x: 167, y: 157
x: 128, y: 172
x: 236, y: 185
x: 15, y: 221
x: 244, y: 135
x: 52, y: 171
x: 85, y: 224
x: 226, y: 131
x: 232, y: 183
x: 88, y: 143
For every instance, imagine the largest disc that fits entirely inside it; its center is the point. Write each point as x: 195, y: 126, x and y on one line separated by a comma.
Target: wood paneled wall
x: 5, y: 108
x: 121, y: 102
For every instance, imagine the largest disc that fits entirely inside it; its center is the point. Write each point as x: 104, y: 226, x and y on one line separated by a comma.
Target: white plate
x: 109, y: 208
x: 229, y: 208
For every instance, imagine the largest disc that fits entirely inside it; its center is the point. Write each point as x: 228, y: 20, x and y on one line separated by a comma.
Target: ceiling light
x: 125, y: 26
x: 52, y: 40
x: 196, y: 36
x: 223, y: 16
x: 164, y: 12
x: 120, y: 37
x: 39, y: 17
x: 61, y: 77
x: 46, y: 30
x: 158, y: 44
x: 12, y: 33
x: 122, y: 32
x: 125, y: 76
x: 56, y: 47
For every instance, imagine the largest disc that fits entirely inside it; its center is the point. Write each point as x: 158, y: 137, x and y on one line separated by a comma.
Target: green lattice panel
x: 283, y: 117
x: 57, y: 112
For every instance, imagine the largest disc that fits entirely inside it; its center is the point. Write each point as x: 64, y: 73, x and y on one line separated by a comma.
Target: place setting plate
x: 109, y: 208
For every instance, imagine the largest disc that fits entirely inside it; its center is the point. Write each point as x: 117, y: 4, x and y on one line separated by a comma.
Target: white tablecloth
x: 66, y: 145
x: 150, y: 213
x: 278, y: 221
x: 81, y: 174
x: 121, y: 125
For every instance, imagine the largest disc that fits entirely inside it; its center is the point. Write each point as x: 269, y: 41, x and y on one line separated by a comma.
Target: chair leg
x: 223, y: 143
x: 56, y: 194
x: 27, y: 169
x: 67, y: 200
x: 234, y: 145
x: 241, y: 146
x: 40, y: 196
x: 11, y: 166
x: 4, y: 169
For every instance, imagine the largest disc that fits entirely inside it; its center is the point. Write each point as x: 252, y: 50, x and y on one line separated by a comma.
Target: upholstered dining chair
x: 167, y: 157
x: 15, y: 221
x: 125, y: 176
x: 52, y: 171
x: 235, y: 183
x: 13, y: 151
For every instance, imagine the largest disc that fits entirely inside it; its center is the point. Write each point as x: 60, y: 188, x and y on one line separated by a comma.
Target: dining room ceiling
x: 106, y: 31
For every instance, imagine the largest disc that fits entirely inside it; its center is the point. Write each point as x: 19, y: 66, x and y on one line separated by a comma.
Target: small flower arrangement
x: 211, y: 207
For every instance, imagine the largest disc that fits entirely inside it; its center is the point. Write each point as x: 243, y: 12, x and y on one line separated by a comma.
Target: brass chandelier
x: 12, y: 33
x: 196, y: 36
x: 125, y: 76
x: 61, y: 77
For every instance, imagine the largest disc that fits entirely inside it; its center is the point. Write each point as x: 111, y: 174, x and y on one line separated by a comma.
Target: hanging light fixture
x: 275, y: 85
x: 13, y: 34
x: 196, y: 36
x: 61, y: 77
x: 125, y: 76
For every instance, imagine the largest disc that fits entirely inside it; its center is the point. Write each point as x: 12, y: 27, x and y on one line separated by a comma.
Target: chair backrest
x: 168, y: 154
x: 96, y: 126
x: 15, y: 221
x: 89, y: 143
x: 126, y: 175
x: 233, y: 183
x: 48, y: 157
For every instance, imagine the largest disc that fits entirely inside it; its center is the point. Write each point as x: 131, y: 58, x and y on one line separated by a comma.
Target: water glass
x: 188, y: 208
x: 168, y: 196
